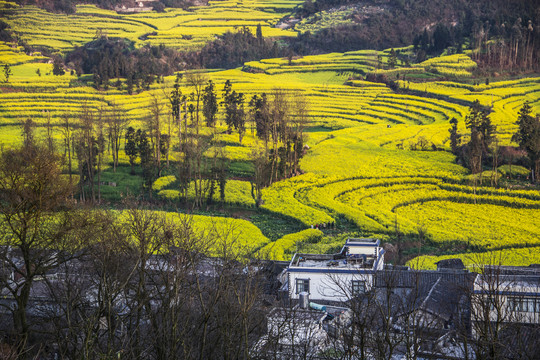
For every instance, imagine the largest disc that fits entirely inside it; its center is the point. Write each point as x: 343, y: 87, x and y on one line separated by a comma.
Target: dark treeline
x: 351, y: 37
x: 427, y: 7
x: 108, y: 58
x: 233, y: 49
x: 113, y: 58
x: 401, y: 21
x: 507, y: 46
x: 5, y: 33
x: 438, y: 40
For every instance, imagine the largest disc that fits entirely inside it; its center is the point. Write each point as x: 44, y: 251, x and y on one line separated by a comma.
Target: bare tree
x: 50, y: 135
x: 67, y: 133
x: 116, y: 126
x: 197, y: 82
x: 100, y: 148
x: 38, y: 232
x: 86, y: 150
x: 154, y: 130
x: 299, y: 121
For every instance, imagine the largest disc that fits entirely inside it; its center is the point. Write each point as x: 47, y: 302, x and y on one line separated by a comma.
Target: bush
x: 163, y: 182
x: 283, y: 248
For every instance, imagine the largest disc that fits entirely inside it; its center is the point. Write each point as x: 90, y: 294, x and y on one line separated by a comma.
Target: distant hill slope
x: 343, y: 25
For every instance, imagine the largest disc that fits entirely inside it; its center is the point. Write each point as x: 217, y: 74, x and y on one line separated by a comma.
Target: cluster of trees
x: 196, y: 167
x: 113, y: 58
x: 138, y: 145
x: 6, y: 71
x: 280, y: 120
x: 508, y: 46
x: 88, y: 282
x: 5, y: 33
x: 482, y: 148
x: 110, y: 58
x: 482, y: 135
x: 233, y: 49
x: 528, y: 138
x: 93, y: 135
x: 441, y: 38
x: 201, y: 165
x: 479, y: 150
x: 401, y: 22
x: 86, y: 138
x: 343, y: 38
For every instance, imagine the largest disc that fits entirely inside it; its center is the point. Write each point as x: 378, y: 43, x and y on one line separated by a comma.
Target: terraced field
x: 175, y: 28
x: 376, y: 158
x: 505, y: 97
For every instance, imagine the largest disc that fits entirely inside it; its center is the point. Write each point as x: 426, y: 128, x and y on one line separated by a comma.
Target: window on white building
x: 525, y: 304
x: 358, y: 287
x: 302, y: 285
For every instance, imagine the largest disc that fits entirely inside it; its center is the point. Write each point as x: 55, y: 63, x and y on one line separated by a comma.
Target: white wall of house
x: 326, y: 285
x: 363, y: 250
x: 509, y: 301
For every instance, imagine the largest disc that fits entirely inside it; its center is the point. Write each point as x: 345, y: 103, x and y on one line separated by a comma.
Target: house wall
x: 363, y: 250
x: 326, y: 285
x: 501, y: 297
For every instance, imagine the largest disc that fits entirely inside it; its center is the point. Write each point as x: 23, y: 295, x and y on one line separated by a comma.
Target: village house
x: 511, y: 292
x: 134, y: 6
x: 335, y: 277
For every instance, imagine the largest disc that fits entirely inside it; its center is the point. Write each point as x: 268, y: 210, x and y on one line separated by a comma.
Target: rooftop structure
x: 335, y: 277
x: 356, y: 254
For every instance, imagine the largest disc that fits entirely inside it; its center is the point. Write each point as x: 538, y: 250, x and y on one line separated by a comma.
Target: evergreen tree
x: 7, y: 72
x: 425, y: 41
x: 131, y: 148
x: 58, y: 66
x: 392, y: 59
x: 260, y: 116
x: 176, y: 98
x: 129, y: 84
x: 235, y: 116
x: 227, y: 88
x: 210, y: 104
x: 259, y: 34
x: 455, y: 137
x: 441, y: 38
x: 482, y: 134
x: 528, y: 137
x: 145, y: 152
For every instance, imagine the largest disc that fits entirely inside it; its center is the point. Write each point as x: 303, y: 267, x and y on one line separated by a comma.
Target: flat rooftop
x: 333, y: 261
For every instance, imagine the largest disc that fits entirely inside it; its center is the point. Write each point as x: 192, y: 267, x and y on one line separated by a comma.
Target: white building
x: 335, y: 277
x: 512, y: 295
